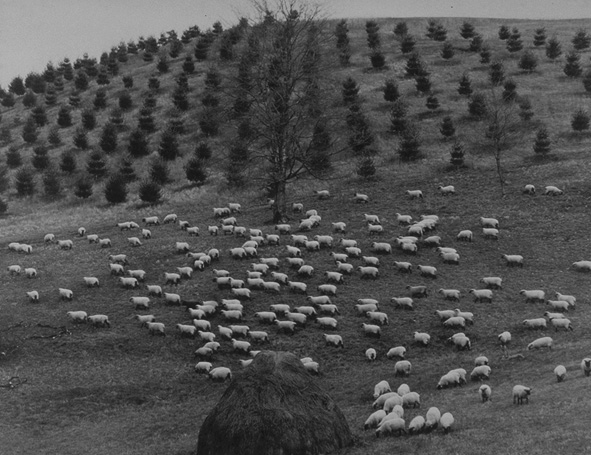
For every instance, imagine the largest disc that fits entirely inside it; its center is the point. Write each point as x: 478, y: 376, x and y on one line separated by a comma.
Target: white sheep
x: 364, y: 308
x: 146, y: 234
x: 461, y: 342
x: 297, y: 287
x: 411, y: 399
x: 187, y: 330
x: 561, y: 324
x: 445, y: 314
x: 220, y: 374
x: 118, y: 259
x: 514, y: 260
x: 378, y: 316
x: 533, y: 296
x: 347, y: 243
x: 77, y: 316
x: 485, y: 392
x: 14, y: 269
x: 104, y: 243
x: 529, y: 189
x: 393, y: 425
x: 403, y: 302
x: 368, y: 272
x: 465, y: 236
x: 371, y: 330
x: 305, y: 270
x: 432, y: 418
x: 482, y: 295
x: 450, y: 294
x: 172, y: 278
x: 489, y: 222
x: 99, y: 320
x: 258, y: 336
x: 402, y: 368
x: 172, y: 299
x: 380, y: 388
x: 416, y: 425
x: 417, y: 291
x: 447, y: 190
x: 371, y: 354
x: 334, y: 277
x: 65, y: 244
x: 297, y: 207
x: 49, y: 238
x: 582, y: 266
x: 571, y: 299
x: 381, y: 248
x: 327, y: 322
x: 345, y: 268
x: 433, y: 240
x: 414, y: 194
x: 397, y: 351
x: 403, y: 267
x: 142, y: 303
x: 324, y: 241
x: 371, y: 219
x: 535, y: 323
x: 559, y: 305
x: 490, y: 233
x: 203, y: 367
x: 81, y: 231
x: 427, y: 271
x: 92, y: 238
x: 286, y: 326
x: 333, y: 340
x: 560, y: 372
x: 381, y: 400
x: 293, y: 251
x: 543, y: 342
x: 551, y: 315
x: 339, y: 227
x: 143, y: 319
x: 66, y: 294
x: 422, y: 338
x: 467, y: 315
x: 504, y: 338
x: 267, y: 317
x: 327, y: 289
x: 521, y: 394
x: 134, y: 241
x: 450, y: 379
x: 552, y: 191
x: 492, y: 282
x: 33, y: 296
x: 480, y: 372
x: 416, y: 230
x: 128, y: 282
x: 374, y: 419
x: 299, y: 318
x: 446, y: 421
x: 481, y: 360
x: 322, y: 194
x: 586, y: 366
x: 155, y: 290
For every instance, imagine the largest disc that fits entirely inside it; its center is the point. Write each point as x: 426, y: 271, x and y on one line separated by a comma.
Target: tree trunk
x: 280, y: 204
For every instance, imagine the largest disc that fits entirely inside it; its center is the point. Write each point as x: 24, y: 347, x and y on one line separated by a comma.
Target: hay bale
x: 274, y: 408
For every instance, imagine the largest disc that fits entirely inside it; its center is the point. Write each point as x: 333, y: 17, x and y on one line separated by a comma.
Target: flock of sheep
x: 295, y: 246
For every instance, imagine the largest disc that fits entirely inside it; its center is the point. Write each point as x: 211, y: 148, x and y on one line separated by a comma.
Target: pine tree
x: 175, y: 48
x: 195, y: 172
x: 366, y: 167
x: 209, y: 123
x: 528, y: 61
x: 180, y: 99
x: 373, y: 36
x: 125, y: 101
x: 103, y: 77
x: 58, y: 84
x: 477, y: 106
x: 476, y: 43
x: 96, y: 165
x: 467, y: 30
x: 68, y: 162
x: 514, y: 43
x: 465, y: 85
x: 153, y: 83
x: 17, y: 86
x: 30, y: 133
x: 132, y: 48
x: 504, y: 33
x: 83, y: 188
x: 138, y: 144
x: 581, y: 40
x: 485, y: 55
x: 189, y: 65
x: 447, y: 128
x: 350, y: 90
x: 378, y: 61
x: 88, y: 119
x: 169, y: 147
x: 5, y: 136
x: 148, y: 57
x: 553, y: 48
x: 203, y: 151
x: 572, y: 67
x: 116, y: 118
x: 51, y: 184
x: 126, y: 171
x: 401, y: 29
x: 391, y: 92
x: 210, y: 100
x: 116, y: 190
x: 457, y: 154
x: 542, y: 142
x: 13, y: 158
x: 3, y: 207
x: 100, y: 99
x: 415, y: 66
x: 127, y: 81
x: 74, y: 99
x: 39, y: 115
x: 319, y: 158
x: 159, y: 172
x: 67, y: 70
x: 423, y: 84
x: 53, y: 137
x: 30, y: 99
x: 176, y: 124
x: 580, y: 120
x: 64, y: 118
x: 146, y: 120
x: 40, y: 158
x: 81, y: 81
x: 409, y: 146
x: 407, y: 44
x: 80, y: 139
x: 163, y: 65
x: 226, y: 47
x: 432, y: 102
x: 447, y: 51
x: 540, y: 37
x: 343, y: 46
x: 201, y: 49
x: 150, y: 101
x: 398, y: 120
x: 213, y: 79
x: 150, y: 192
x: 587, y: 81
x: 8, y: 100
x: 496, y: 73
x: 25, y: 182
x: 509, y: 91
x: 108, y: 140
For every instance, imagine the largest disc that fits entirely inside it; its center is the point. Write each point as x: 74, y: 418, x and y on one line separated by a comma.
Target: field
x: 119, y: 390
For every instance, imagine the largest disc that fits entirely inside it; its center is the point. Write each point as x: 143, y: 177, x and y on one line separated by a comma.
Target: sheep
x: 374, y: 419
x: 143, y: 319
x: 187, y: 330
x: 270, y: 262
x: 124, y: 226
x: 381, y: 400
x: 286, y: 326
x: 414, y: 194
x: 402, y: 368
x: 65, y: 244
x: 134, y: 241
x: 504, y: 338
x: 297, y: 207
x: 571, y: 299
x: 368, y: 272
x: 403, y: 267
x: 446, y: 249
x: 529, y: 189
x: 118, y: 259
x: 141, y: 303
x: 378, y: 316
x: 492, y: 282
x: 521, y: 394
x: 324, y: 241
x: 533, y: 296
x: 586, y: 366
x: 201, y: 324
x: 455, y: 322
x: 172, y: 278
x: 381, y: 248
x: 482, y: 295
x: 582, y: 266
x: 327, y: 289
x: 489, y: 222
x: 416, y: 425
x: 33, y: 296
x: 258, y: 336
x: 49, y: 238
x: 403, y: 219
x: 561, y: 324
x: 393, y: 401
x: 305, y: 270
x: 104, y: 243
x: 309, y: 311
x: 551, y: 315
x: 450, y: 379
x: 99, y: 320
x: 299, y: 318
x: 433, y: 240
x: 146, y: 234
x: 446, y: 190
x: 364, y: 308
x: 422, y: 338
x: 427, y: 271
x: 490, y: 233
x: 81, y: 232
x: 77, y: 316
x: 333, y: 340
x: 371, y: 330
x: 393, y: 425
x: 464, y: 236
x: 129, y: 282
x: 14, y: 269
x: 536, y: 323
x: 480, y: 372
x: 560, y: 372
x: 334, y: 277
x: 375, y: 229
x: 345, y: 268
x: 243, y: 346
x: 371, y: 219
x: 322, y: 194
x: 559, y: 305
x: 481, y: 360
x: 467, y: 315
x: 339, y: 227
x: 445, y: 314
x: 380, y: 388
x: 397, y: 351
x: 446, y: 421
x: 65, y: 294
x: 552, y: 191
x: 485, y: 392
x: 417, y: 291
x: 371, y: 354
x: 450, y: 294
x: 306, y: 225
x: 267, y: 317
x: 411, y: 399
x: 297, y: 287
x: 203, y: 367
x: 416, y: 230
x: 220, y: 374
x: 294, y: 263
x: 513, y: 260
x: 92, y: 238
x: 347, y: 243
x: 432, y: 418
x: 543, y: 342
x: 327, y: 323
x: 154, y: 290
x: 312, y: 245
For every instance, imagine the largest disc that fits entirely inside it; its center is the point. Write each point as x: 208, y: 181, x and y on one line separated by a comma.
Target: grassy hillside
x: 120, y: 390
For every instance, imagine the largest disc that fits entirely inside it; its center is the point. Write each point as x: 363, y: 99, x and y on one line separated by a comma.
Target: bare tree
x: 286, y: 92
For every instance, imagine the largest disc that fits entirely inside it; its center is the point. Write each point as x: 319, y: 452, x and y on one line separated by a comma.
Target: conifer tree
x: 465, y: 85
x: 74, y: 99
x: 108, y: 140
x: 542, y: 143
x: 485, y: 55
x: 415, y: 66
x: 496, y: 73
x: 159, y: 172
x: 53, y: 137
x: 432, y: 102
x: 580, y: 120
x: 163, y: 65
x: 343, y: 45
x: 509, y: 90
x: 189, y: 65
x: 96, y: 165
x: 528, y: 61
x: 398, y: 120
x: 447, y: 128
x: 25, y: 182
x: 64, y: 118
x: 401, y: 29
x: 154, y: 83
x: 100, y: 99
x: 30, y: 99
x: 116, y: 118
x: 447, y: 51
x: 68, y: 162
x: 8, y: 100
x: 126, y: 171
x: 540, y: 37
x: 88, y: 119
x: 366, y: 167
x: 407, y: 44
x: 39, y: 115
x: 127, y: 81
x: 572, y: 67
x: 138, y: 144
x: 587, y: 81
x: 514, y: 43
x: 40, y: 158
x: 125, y: 101
x: 203, y: 151
x: 467, y: 30
x: 201, y: 49
x: 13, y: 158
x: 553, y: 48
x: 391, y: 92
x: 146, y: 120
x: 581, y: 40
x: 195, y: 172
x: 504, y: 32
x: 83, y: 188
x: 17, y: 86
x: 81, y: 81
x: 116, y: 190
x: 80, y: 139
x: 373, y: 36
x: 30, y: 133
x: 169, y: 147
x: 457, y: 154
x: 350, y: 90
x: 476, y: 43
x: 378, y: 61
x: 150, y: 192
x: 209, y: 123
x: 409, y: 145
x: 51, y: 184
x: 103, y: 77
x: 477, y: 106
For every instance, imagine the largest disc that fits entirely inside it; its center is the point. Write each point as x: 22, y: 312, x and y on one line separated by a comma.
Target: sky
x: 35, y: 32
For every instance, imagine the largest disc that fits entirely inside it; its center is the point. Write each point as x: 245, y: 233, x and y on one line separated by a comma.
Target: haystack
x: 274, y: 408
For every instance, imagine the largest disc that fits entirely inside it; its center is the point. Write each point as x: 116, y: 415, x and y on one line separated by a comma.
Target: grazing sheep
x: 397, y: 351
x: 81, y: 232
x: 92, y: 238
x: 481, y: 360
x: 489, y: 222
x: 297, y: 207
x: 375, y: 229
x: 371, y: 219
x: 172, y: 278
x: 445, y: 314
x: 416, y: 425
x: 118, y: 259
x: 465, y: 236
x: 586, y: 366
x: 403, y: 302
x: 371, y: 330
x: 559, y: 305
x: 201, y: 324
x: 368, y: 272
x: 381, y: 248
x: 286, y: 326
x: 402, y: 368
x: 446, y: 421
x: 391, y: 426
x: 99, y: 320
x: 116, y: 269
x: 65, y: 244
x: 323, y: 241
x: 403, y: 267
x: 504, y: 338
x: 203, y: 367
x: 446, y: 190
x: 141, y: 303
x: 417, y: 291
x: 450, y: 379
x: 552, y: 191
x: 347, y: 243
x: 571, y: 299
x: 33, y: 296
x: 293, y: 251
x: 427, y: 271
x: 485, y: 392
x: 334, y: 277
x: 521, y: 394
x: 381, y: 388
x: 333, y: 340
x: 492, y: 282
x: 513, y: 260
x: 482, y: 295
x: 461, y: 342
x: 305, y: 270
x: 309, y: 311
x: 490, y: 233
x: 322, y: 194
x: 543, y: 342
x: 187, y: 330
x: 450, y: 258
x: 529, y: 189
x: 411, y: 399
x: 378, y: 316
x: 560, y: 372
x: 143, y: 319
x: 533, y: 296
x: 582, y: 266
x: 432, y: 418
x: 381, y: 401
x: 364, y: 308
x: 49, y: 238
x: 422, y: 338
x: 450, y: 294
x: 238, y: 345
x: 258, y: 336
x: 327, y: 323
x: 129, y: 282
x: 220, y: 374
x: 77, y: 316
x: 433, y: 240
x: 480, y: 372
x: 104, y: 243
x: 374, y: 419
x: 172, y: 299
x: 353, y: 252
x: 327, y: 289
x: 299, y: 318
x: 14, y: 269
x: 561, y: 324
x: 154, y: 290
x: 267, y: 317
x: 416, y: 230
x: 371, y: 354
x: 134, y: 241
x: 536, y: 323
x: 297, y: 287
x: 339, y: 227
x: 414, y: 194
x: 345, y: 268
x: 65, y: 294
